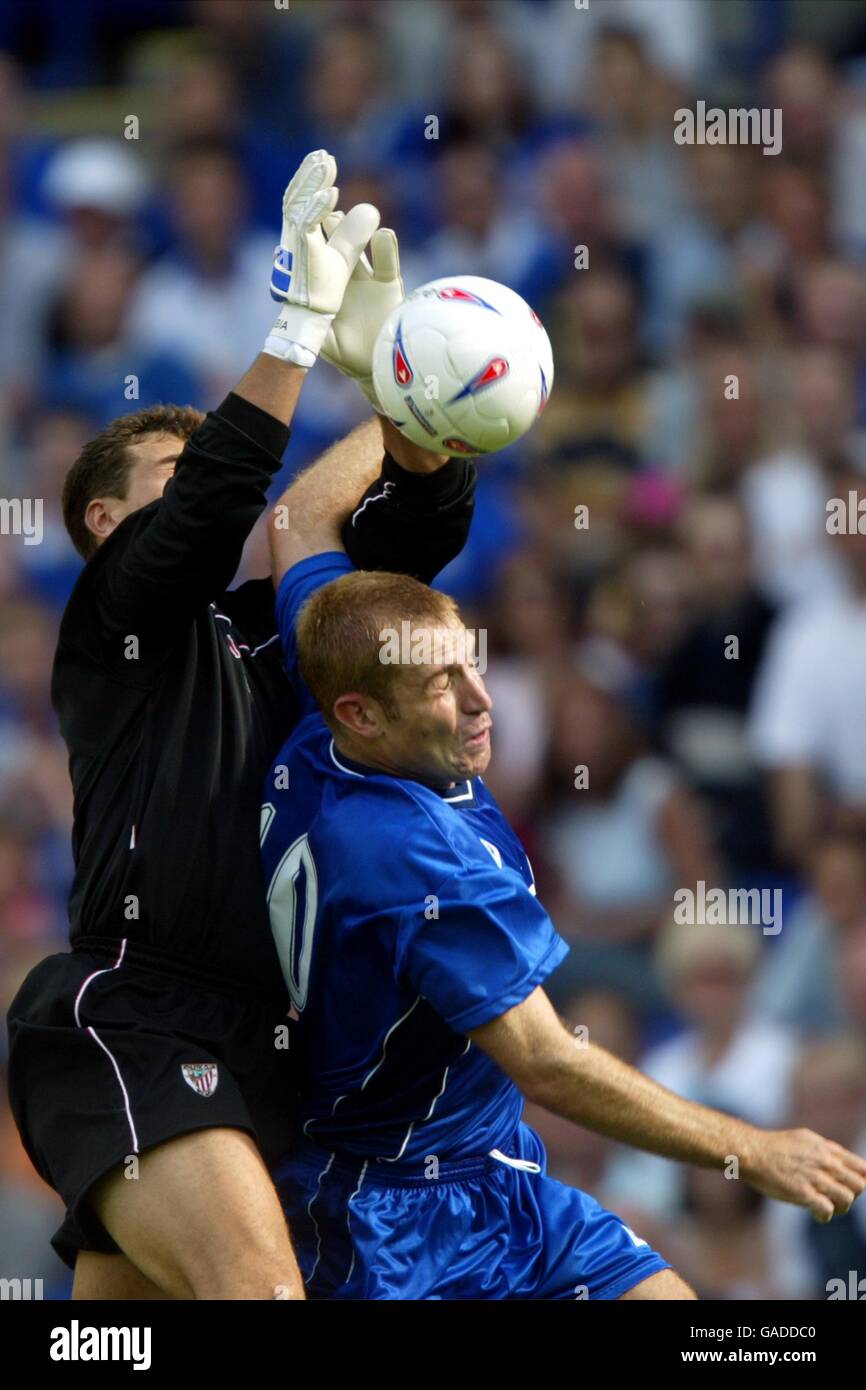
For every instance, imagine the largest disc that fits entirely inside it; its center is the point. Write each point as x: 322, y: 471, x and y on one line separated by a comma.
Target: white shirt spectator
x: 810, y: 695
x: 517, y: 688
x: 506, y: 253
x: 215, y: 326
x: 586, y: 842
x: 785, y: 498
x: 559, y: 42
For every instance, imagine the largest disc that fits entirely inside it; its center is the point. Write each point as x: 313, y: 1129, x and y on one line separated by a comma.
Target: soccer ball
x: 463, y: 366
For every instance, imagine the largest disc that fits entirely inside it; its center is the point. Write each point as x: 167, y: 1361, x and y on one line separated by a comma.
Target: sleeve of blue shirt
x: 490, y: 945
x: 296, y: 586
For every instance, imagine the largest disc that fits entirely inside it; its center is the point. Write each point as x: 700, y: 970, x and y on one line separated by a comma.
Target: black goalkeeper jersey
x: 173, y: 700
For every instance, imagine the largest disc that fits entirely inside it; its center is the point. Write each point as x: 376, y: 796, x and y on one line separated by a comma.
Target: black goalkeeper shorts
x: 110, y: 1055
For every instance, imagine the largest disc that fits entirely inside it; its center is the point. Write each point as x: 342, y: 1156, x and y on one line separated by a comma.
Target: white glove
x: 372, y: 292
x: 309, y: 273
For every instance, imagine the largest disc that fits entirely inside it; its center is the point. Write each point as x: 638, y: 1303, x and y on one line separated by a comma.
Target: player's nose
x: 476, y: 699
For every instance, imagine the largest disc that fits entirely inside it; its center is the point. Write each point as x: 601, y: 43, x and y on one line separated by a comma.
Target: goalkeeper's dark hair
x: 340, y: 634
x: 102, y: 468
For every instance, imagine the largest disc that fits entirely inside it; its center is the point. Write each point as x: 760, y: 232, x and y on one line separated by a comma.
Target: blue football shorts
x: 495, y: 1227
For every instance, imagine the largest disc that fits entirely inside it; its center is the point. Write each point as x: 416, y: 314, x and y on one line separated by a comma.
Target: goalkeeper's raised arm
x: 387, y: 502
x: 211, y: 474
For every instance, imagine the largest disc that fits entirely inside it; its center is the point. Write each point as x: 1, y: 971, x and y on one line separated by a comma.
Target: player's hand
x: 310, y: 272
x: 799, y: 1166
x: 405, y: 452
x: 374, y: 289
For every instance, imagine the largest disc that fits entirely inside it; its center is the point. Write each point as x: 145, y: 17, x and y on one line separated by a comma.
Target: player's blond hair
x: 339, y: 634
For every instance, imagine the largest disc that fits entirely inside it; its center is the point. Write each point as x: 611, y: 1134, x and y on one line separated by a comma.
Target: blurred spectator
x: 738, y: 423
x: 205, y: 95
x: 482, y: 229
x: 208, y: 303
x: 575, y: 202
x: 720, y: 249
x: 720, y: 1241
x: 348, y: 107
x: 94, y: 366
x: 831, y: 308
x: 31, y: 265
x: 678, y: 36
x: 27, y: 912
x: 852, y: 972
x: 647, y: 611
x: 33, y: 774
x: 829, y: 1096
x: 98, y: 187
x: 600, y: 412
x: 785, y: 492
x: 830, y: 302
x: 630, y: 106
x: 528, y: 639
x: 824, y: 128
x: 487, y: 99
x: 807, y: 725
x: 800, y: 983
x: 795, y: 205
x: 705, y: 685
x: 603, y: 790
x: 726, y: 1057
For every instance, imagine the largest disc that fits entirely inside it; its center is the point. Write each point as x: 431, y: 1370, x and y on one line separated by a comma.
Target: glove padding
x: 310, y: 273
x: 375, y: 288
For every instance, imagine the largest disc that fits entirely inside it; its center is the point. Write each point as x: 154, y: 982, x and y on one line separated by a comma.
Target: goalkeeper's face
x: 153, y: 459
x: 151, y: 463
x: 438, y: 729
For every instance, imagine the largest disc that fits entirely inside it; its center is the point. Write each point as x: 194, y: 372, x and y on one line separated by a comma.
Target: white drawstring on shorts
x: 524, y: 1164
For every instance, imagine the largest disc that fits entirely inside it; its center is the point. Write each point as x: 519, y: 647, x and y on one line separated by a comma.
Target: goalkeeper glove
x: 372, y: 292
x: 310, y: 273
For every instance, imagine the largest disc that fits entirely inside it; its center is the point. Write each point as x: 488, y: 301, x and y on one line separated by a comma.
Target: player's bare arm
x: 309, y: 516
x: 590, y: 1086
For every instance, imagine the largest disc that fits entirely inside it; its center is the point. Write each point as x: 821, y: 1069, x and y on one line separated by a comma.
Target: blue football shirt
x: 403, y: 916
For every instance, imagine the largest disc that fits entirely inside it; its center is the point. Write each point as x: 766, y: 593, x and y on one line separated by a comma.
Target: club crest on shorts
x: 201, y: 1076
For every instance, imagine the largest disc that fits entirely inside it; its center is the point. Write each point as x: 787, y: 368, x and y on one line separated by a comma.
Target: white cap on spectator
x: 96, y: 174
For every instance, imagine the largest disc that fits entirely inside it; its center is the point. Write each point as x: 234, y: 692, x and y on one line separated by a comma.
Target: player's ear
x: 359, y: 714
x: 98, y: 518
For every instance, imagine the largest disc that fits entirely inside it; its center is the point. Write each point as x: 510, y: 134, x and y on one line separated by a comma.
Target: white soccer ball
x: 463, y: 366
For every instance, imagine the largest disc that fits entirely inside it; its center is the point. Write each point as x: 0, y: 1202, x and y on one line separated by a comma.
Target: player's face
x: 153, y: 458
x: 441, y: 733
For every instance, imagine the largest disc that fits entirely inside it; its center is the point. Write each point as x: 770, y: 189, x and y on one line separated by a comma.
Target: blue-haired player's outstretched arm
x: 414, y: 948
